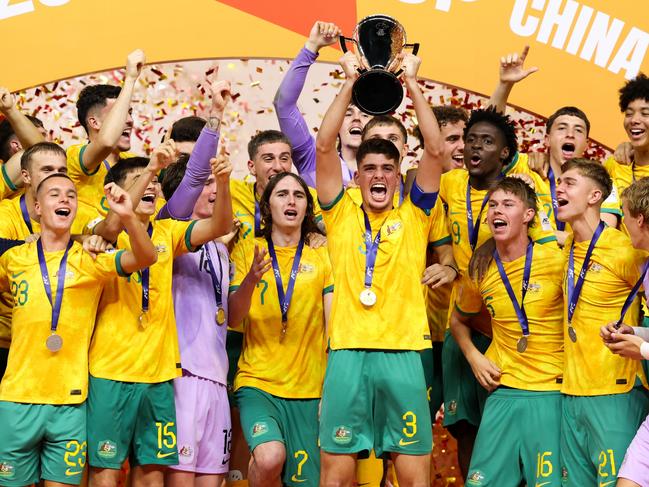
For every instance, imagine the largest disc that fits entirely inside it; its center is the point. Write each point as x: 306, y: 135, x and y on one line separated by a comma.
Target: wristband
x: 457, y: 272
x: 644, y: 350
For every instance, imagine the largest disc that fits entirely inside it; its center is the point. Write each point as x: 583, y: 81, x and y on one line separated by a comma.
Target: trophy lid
x: 380, y: 39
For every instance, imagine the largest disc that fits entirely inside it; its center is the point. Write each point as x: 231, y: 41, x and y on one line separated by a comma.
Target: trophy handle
x: 343, y: 44
x: 415, y: 50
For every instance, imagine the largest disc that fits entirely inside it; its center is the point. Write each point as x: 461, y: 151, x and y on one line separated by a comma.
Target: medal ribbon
x: 371, y: 249
x: 555, y: 204
x: 631, y: 297
x: 574, y: 290
x: 25, y: 213
x: 519, y: 308
x: 257, y: 212
x: 473, y: 230
x: 145, y: 279
x: 285, y: 299
x: 216, y: 280
x: 60, y: 282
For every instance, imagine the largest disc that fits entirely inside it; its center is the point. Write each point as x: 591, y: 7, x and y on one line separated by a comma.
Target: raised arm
x: 142, y: 253
x: 113, y: 125
x: 329, y: 178
x: 291, y: 121
x: 181, y: 204
x: 27, y: 133
x: 512, y: 71
x: 239, y: 300
x: 220, y: 223
x: 429, y: 170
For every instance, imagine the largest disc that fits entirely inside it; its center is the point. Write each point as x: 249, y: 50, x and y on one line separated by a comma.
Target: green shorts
x: 518, y: 440
x: 233, y: 344
x: 431, y: 361
x: 464, y: 397
x: 595, y: 433
x: 42, y: 441
x: 131, y: 419
x: 375, y: 400
x: 294, y: 422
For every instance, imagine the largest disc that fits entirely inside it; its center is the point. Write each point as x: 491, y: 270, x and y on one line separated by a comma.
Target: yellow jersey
x: 437, y: 300
x: 34, y: 374
x: 540, y: 366
x: 7, y: 187
x: 90, y: 185
x: 129, y: 349
x: 244, y: 202
x: 397, y: 321
x: 14, y: 227
x: 590, y: 367
x: 293, y: 368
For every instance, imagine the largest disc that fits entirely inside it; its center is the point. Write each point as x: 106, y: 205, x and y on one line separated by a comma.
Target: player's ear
x: 529, y: 215
x: 251, y: 167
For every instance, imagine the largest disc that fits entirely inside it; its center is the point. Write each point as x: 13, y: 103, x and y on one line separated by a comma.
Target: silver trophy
x: 379, y: 40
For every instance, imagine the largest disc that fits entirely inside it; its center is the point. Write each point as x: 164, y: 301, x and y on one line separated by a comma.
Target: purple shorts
x: 204, y: 427
x: 636, y: 461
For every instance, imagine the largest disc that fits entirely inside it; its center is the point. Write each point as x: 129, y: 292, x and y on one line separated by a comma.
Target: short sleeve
x: 181, y: 235
x: 240, y: 265
x: 438, y: 234
x: 468, y: 301
x: 335, y: 212
x: 328, y: 273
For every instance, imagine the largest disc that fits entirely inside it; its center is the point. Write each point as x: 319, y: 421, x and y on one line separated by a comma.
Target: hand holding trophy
x: 379, y: 41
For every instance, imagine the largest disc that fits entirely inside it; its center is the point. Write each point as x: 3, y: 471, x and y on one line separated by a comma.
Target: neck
x: 514, y: 248
x: 556, y: 167
x: 641, y: 156
x: 143, y: 218
x: 29, y: 201
x: 53, y: 240
x: 583, y: 227
x: 259, y: 191
x: 483, y: 182
x: 349, y: 156
x: 286, y: 237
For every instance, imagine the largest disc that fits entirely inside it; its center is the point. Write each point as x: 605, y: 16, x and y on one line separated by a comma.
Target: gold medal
x: 54, y: 343
x: 368, y: 297
x: 220, y: 316
x: 521, y: 345
x: 144, y: 319
x: 572, y: 333
x: 282, y: 334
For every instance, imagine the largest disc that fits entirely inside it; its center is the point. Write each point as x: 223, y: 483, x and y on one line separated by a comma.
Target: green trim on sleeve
x: 328, y: 289
x: 7, y: 180
x: 188, y: 237
x: 83, y: 168
x: 333, y: 203
x: 232, y: 289
x: 509, y: 166
x: 544, y: 240
x: 465, y: 313
x: 441, y: 241
x: 118, y: 264
x: 611, y: 211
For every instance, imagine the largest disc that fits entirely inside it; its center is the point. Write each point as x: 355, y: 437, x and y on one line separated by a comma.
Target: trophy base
x: 377, y: 92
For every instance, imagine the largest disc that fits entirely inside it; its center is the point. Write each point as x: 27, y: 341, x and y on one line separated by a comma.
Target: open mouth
x: 355, y: 131
x: 498, y: 223
x: 568, y: 150
x: 562, y: 202
x: 211, y: 199
x: 63, y: 211
x: 148, y: 198
x: 476, y: 159
x: 637, y: 132
x: 458, y: 158
x: 378, y: 190
x: 127, y: 132
x: 290, y: 214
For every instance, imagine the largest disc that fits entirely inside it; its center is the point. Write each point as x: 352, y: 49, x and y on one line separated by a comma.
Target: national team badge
x: 185, y: 454
x: 564, y: 475
x: 475, y: 478
x: 6, y: 470
x: 107, y: 449
x: 452, y: 408
x: 342, y: 435
x: 259, y: 429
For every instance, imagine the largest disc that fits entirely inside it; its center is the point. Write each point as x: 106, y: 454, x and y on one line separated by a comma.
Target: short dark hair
x: 445, y: 114
x: 94, y: 96
x: 383, y: 121
x: 569, y: 110
x: 7, y: 133
x: 592, y: 170
x: 266, y: 137
x: 499, y: 120
x: 52, y: 176
x: 377, y: 146
x: 173, y: 175
x: 520, y: 189
x: 634, y: 89
x: 117, y: 174
x: 187, y: 129
x: 51, y: 147
x: 309, y: 224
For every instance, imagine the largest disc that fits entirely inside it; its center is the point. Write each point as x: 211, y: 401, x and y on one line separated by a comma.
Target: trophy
x: 379, y: 40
